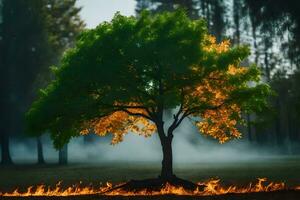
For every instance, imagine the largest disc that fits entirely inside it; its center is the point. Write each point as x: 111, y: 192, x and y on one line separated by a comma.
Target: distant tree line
x: 272, y: 29
x: 33, y: 35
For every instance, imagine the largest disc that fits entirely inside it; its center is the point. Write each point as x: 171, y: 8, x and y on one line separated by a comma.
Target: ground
x: 275, y: 169
x: 285, y: 195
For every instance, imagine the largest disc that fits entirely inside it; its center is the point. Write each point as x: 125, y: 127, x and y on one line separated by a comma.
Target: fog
x: 189, y: 146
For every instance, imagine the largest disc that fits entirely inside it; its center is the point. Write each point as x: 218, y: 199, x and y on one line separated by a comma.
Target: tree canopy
x: 122, y: 76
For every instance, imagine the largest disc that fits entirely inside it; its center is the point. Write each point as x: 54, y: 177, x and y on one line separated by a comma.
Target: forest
x: 35, y: 33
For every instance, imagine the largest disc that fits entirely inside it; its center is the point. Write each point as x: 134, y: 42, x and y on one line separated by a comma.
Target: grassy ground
x: 285, y: 169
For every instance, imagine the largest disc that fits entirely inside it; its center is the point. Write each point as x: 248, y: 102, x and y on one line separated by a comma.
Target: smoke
x: 133, y: 148
x: 189, y: 146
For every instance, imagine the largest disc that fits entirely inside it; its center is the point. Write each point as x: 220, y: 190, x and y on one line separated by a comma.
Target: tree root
x: 156, y: 184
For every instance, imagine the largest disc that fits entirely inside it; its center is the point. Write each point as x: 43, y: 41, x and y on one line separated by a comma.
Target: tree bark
x: 5, y: 152
x: 40, y: 154
x: 167, y: 162
x: 63, y: 155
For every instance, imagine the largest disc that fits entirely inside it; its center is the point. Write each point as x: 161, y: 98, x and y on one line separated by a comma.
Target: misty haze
x: 190, y: 146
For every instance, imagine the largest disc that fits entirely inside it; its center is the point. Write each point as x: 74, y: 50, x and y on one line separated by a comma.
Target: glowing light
x: 212, y: 187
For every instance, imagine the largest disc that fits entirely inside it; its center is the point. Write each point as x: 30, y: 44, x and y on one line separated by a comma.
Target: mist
x: 189, y: 146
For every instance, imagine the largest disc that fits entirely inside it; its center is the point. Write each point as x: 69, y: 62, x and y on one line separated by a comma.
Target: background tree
x: 28, y: 48
x: 20, y: 42
x: 212, y: 10
x: 277, y: 32
x: 158, y: 63
x: 64, y: 25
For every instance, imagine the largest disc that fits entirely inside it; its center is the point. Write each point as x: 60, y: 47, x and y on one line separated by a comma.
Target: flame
x: 212, y: 187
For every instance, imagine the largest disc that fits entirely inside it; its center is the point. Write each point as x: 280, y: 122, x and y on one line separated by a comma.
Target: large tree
x: 124, y: 75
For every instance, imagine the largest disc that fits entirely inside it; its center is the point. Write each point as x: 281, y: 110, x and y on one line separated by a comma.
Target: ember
x: 211, y: 187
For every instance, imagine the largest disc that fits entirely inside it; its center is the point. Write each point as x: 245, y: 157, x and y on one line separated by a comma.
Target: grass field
x: 285, y: 169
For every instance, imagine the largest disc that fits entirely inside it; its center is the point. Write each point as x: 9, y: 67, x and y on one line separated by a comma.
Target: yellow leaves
x: 211, y: 39
x: 142, y: 126
x: 84, y: 132
x: 233, y: 70
x: 120, y: 123
x: 213, y: 46
x: 214, y: 91
x: 219, y: 123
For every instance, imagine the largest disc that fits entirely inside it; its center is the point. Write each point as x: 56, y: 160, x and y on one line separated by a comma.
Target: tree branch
x: 207, y: 107
x: 177, y: 121
x: 125, y: 108
x: 137, y: 114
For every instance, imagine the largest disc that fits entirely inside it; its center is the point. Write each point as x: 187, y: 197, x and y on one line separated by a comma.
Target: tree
x: 63, y: 26
x: 20, y: 42
x: 28, y: 48
x: 237, y: 19
x: 157, y: 6
x: 124, y: 75
x: 212, y: 10
x: 286, y: 18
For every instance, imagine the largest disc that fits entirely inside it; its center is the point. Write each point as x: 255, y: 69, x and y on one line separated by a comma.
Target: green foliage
x: 148, y: 60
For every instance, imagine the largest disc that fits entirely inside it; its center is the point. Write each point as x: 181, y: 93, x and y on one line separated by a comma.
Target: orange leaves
x: 219, y: 124
x: 119, y: 123
x: 212, y: 90
x: 217, y: 121
x: 84, y: 132
x: 116, y: 123
x: 212, y: 46
x: 233, y: 70
x: 221, y: 116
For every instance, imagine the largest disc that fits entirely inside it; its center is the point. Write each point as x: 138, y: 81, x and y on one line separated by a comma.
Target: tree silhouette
x: 122, y: 76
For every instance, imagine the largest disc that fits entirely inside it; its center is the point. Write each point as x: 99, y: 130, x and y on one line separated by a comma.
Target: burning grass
x: 208, y: 188
x: 231, y: 176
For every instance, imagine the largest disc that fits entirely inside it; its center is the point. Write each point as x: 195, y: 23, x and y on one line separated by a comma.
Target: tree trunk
x: 5, y: 153
x: 167, y: 162
x: 63, y: 155
x: 236, y: 19
x: 40, y: 154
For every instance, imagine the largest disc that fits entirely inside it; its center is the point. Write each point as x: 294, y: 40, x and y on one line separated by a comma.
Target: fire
x: 212, y: 187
